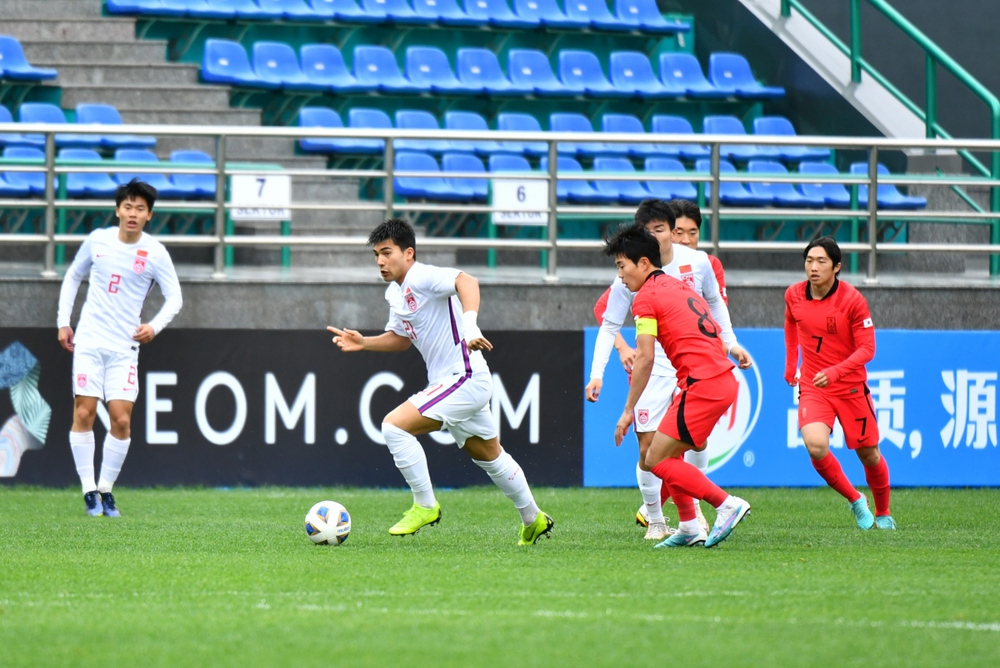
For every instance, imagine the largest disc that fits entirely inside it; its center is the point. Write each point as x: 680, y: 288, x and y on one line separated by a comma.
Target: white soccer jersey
x: 426, y: 310
x: 121, y: 275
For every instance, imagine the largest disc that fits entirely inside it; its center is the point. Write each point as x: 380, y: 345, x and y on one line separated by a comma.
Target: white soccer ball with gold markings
x: 328, y: 523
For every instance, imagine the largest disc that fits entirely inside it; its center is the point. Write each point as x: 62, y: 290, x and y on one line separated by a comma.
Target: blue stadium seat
x: 781, y: 126
x: 142, y: 7
x: 241, y: 9
x: 632, y: 71
x: 888, y: 196
x: 86, y: 184
x: 480, y: 67
x: 629, y: 123
x: 626, y: 192
x: 469, y: 120
x: 580, y: 72
x: 732, y: 71
x: 12, y: 190
x: 413, y: 119
x: 594, y: 13
x: 445, y: 12
x: 731, y: 193
x: 576, y: 192
x: 548, y: 13
x: 834, y: 194
x: 164, y: 188
x: 15, y: 139
x: 276, y: 63
x: 226, y: 62
x: 497, y: 13
x: 561, y: 122
x: 13, y: 64
x: 730, y: 125
x: 395, y: 11
x: 105, y: 114
x: 463, y: 162
x: 515, y: 122
x: 323, y: 64
x: 669, y: 190
x: 681, y: 73
x: 428, y: 67
x: 343, y: 10
x: 194, y: 185
x: 34, y: 182
x: 644, y: 14
x: 678, y: 125
x: 530, y: 70
x: 360, y: 117
x: 43, y: 112
x: 291, y: 10
x: 15, y: 187
x: 432, y: 186
x: 782, y: 194
x: 322, y: 117
x: 376, y: 66
x: 502, y: 162
x: 203, y: 9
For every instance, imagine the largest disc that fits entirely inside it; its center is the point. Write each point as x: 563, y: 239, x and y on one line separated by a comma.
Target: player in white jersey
x: 435, y: 309
x: 694, y: 268
x: 122, y: 263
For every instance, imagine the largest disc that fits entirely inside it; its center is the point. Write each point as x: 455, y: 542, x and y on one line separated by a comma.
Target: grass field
x: 214, y: 577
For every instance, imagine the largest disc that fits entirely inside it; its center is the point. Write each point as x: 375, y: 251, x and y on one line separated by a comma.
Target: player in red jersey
x: 668, y: 311
x: 687, y: 232
x: 829, y: 320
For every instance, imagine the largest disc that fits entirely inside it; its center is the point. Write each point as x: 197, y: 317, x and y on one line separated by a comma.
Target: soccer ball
x: 328, y: 523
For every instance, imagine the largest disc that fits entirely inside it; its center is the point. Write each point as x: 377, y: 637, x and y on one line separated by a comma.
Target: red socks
x: 829, y: 469
x: 686, y: 481
x: 878, y: 479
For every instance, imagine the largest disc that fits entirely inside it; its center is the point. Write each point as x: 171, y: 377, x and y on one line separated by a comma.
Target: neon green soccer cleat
x: 415, y: 519
x: 542, y: 526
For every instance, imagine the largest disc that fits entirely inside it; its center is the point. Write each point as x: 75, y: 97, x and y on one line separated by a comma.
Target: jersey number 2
x: 115, y: 282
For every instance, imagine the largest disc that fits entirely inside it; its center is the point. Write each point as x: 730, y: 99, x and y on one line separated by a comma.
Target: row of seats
x: 86, y: 113
x: 275, y: 66
x: 628, y: 15
x: 559, y: 122
x: 84, y: 185
x: 15, y: 66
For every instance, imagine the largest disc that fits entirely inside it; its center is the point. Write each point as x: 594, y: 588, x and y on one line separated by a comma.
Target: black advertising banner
x: 235, y: 407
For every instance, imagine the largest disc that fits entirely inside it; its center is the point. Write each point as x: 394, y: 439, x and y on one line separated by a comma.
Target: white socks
x: 411, y: 462
x: 699, y: 460
x: 112, y: 460
x: 507, y: 475
x: 82, y: 445
x: 689, y: 527
x: 650, y: 485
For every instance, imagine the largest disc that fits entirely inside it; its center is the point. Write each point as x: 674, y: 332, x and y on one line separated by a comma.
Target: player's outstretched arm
x: 351, y: 341
x: 791, y: 346
x: 467, y: 289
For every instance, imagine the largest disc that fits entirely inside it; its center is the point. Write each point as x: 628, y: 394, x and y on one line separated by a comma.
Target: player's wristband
x: 472, y: 331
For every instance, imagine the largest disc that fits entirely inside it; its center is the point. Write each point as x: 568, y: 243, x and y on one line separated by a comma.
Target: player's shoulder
x: 796, y: 292
x: 851, y: 296
x: 694, y: 257
x: 716, y: 262
x: 419, y: 273
x: 152, y: 245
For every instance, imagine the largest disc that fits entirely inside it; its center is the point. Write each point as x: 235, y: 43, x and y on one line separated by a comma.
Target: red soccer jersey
x: 720, y: 276
x: 835, y: 333
x: 681, y: 321
x: 601, y: 306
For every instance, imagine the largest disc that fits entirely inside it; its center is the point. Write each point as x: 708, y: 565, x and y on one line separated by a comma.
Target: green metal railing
x: 933, y: 57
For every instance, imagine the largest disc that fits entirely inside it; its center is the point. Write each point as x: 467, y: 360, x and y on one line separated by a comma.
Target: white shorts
x: 105, y: 374
x: 654, y: 402
x: 462, y: 404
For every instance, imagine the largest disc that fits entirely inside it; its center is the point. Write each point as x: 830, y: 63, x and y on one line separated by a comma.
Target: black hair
x: 685, y: 208
x: 654, y: 209
x: 136, y: 189
x: 829, y: 244
x: 634, y: 242
x: 396, y: 230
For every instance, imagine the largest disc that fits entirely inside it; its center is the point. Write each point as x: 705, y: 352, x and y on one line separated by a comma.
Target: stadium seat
x: 833, y: 194
x: 12, y: 190
x: 530, y: 70
x: 343, y: 10
x: 86, y: 184
x: 463, y: 162
x: 226, y: 62
x: 730, y: 125
x: 369, y: 118
x: 321, y: 117
x: 204, y: 9
x: 34, y: 182
x: 428, y: 67
x: 781, y: 126
x: 576, y: 192
x: 627, y: 192
x: 628, y: 123
x: 276, y: 63
x: 731, y: 193
x: 509, y: 163
x: 194, y: 185
x: 521, y: 123
x: 632, y: 71
x: 561, y: 122
x: 497, y: 13
x: 593, y: 13
x: 678, y: 125
x: 413, y: 119
x: 548, y: 13
x: 13, y: 187
x: 164, y: 188
x: 782, y: 194
x: 469, y: 120
x: 432, y: 186
x: 645, y: 15
x: 888, y: 196
x: 13, y: 64
x: 15, y: 139
x: 732, y: 71
x: 323, y: 64
x: 445, y: 12
x: 43, y: 112
x: 291, y: 10
x: 105, y: 114
x: 681, y: 73
x: 395, y: 11
x: 580, y: 72
x: 141, y: 7
x: 246, y: 9
x: 669, y: 190
x: 480, y: 68
x: 376, y: 66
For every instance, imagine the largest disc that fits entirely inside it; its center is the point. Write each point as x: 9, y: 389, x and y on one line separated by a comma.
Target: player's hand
x: 627, y: 356
x: 820, y: 380
x: 480, y: 343
x: 741, y: 356
x: 347, y: 340
x: 593, y: 389
x: 624, y: 422
x: 144, y: 334
x: 66, y: 338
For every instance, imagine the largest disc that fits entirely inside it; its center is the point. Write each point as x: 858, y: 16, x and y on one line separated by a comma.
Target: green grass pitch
x: 228, y: 578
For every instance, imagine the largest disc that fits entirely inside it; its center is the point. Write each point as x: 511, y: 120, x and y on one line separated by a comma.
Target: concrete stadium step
x: 257, y: 148
x: 50, y: 9
x: 68, y: 30
x: 132, y: 52
x: 124, y: 74
x: 173, y: 116
x: 139, y: 97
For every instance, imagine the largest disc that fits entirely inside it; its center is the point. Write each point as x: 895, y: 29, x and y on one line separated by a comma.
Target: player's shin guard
x: 508, y: 476
x: 699, y: 460
x: 411, y: 462
x: 650, y: 487
x: 82, y: 445
x: 829, y: 469
x: 878, y: 479
x: 684, y: 478
x: 115, y: 450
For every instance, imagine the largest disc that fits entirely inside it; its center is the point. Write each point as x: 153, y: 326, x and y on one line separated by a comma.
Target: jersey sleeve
x: 438, y: 282
x: 864, y: 342
x: 617, y: 305
x: 79, y: 268
x: 716, y: 305
x: 791, y: 341
x: 601, y: 306
x: 166, y: 276
x: 720, y: 277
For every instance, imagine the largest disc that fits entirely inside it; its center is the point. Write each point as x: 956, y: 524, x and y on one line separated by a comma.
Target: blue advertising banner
x: 935, y: 396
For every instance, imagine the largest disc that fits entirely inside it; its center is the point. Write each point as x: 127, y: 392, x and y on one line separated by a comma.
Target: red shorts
x: 695, y: 410
x: 854, y: 411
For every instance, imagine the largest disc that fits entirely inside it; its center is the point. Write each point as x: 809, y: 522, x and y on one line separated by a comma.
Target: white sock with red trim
x: 508, y: 476
x: 650, y: 485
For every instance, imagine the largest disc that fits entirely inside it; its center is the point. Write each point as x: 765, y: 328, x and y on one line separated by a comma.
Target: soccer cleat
x: 108, y: 501
x: 641, y: 516
x: 93, y: 503
x: 726, y: 521
x: 885, y: 522
x: 416, y: 518
x: 542, y: 526
x: 684, y: 540
x: 862, y: 514
x: 700, y: 516
x: 658, y: 531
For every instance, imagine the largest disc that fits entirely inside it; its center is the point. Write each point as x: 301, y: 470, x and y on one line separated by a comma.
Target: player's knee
x: 817, y: 450
x: 121, y: 424
x: 84, y: 416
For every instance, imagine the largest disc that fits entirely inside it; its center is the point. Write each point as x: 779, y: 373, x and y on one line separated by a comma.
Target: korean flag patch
x: 866, y: 323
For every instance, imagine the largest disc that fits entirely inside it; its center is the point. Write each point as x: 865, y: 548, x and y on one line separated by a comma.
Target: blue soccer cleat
x: 726, y: 521
x: 684, y: 540
x: 885, y: 522
x: 108, y: 501
x: 862, y: 514
x: 92, y: 501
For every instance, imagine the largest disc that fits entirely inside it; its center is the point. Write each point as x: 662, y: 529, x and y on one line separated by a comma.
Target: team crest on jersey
x: 687, y: 275
x: 643, y: 416
x: 139, y: 265
x: 81, y: 380
x: 411, y: 300
x: 831, y: 325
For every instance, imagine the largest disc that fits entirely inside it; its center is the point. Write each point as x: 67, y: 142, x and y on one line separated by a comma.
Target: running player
x: 687, y: 232
x: 669, y: 311
x: 829, y: 320
x: 424, y: 307
x: 123, y: 263
x: 694, y: 269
